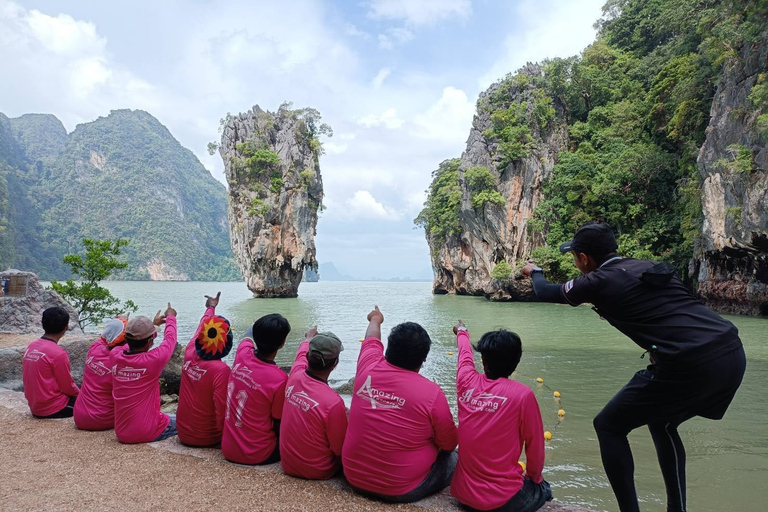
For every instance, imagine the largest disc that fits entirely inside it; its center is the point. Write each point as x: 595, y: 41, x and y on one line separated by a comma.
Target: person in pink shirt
x: 95, y: 408
x: 204, y: 378
x: 135, y: 380
x: 48, y: 384
x: 497, y: 417
x: 401, y: 436
x: 255, y: 395
x: 314, y: 415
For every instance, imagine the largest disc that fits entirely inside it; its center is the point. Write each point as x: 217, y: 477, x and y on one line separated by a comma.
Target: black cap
x: 594, y: 239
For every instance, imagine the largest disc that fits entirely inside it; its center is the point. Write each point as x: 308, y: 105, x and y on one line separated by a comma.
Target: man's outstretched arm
x: 543, y: 289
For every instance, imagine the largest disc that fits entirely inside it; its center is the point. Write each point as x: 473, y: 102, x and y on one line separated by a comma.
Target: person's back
x: 255, y: 395
x: 136, y: 385
x: 399, y: 421
x: 497, y: 418
x: 204, y: 378
x: 314, y: 415
x: 48, y: 385
x: 95, y: 407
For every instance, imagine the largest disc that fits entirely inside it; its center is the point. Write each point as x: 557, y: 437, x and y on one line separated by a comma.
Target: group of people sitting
x: 396, y: 443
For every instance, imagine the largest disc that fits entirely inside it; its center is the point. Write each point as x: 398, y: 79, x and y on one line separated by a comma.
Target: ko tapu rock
x: 275, y: 193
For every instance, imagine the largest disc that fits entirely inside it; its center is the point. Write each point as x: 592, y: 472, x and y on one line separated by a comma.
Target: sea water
x: 575, y: 352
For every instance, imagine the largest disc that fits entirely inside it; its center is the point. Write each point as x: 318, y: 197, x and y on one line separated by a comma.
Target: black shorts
x: 673, y: 395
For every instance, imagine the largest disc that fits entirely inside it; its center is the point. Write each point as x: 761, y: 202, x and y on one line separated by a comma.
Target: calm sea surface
x: 575, y: 352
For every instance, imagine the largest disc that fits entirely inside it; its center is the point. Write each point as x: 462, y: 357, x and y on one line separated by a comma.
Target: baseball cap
x: 594, y: 239
x: 214, y: 340
x: 326, y: 343
x: 139, y: 328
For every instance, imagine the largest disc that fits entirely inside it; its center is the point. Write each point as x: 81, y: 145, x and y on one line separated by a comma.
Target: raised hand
x: 376, y: 316
x: 159, y: 318
x: 212, y: 302
x: 457, y: 326
x: 170, y: 311
x: 310, y: 333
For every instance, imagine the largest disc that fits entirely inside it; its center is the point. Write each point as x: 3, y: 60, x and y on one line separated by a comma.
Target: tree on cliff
x: 92, y: 301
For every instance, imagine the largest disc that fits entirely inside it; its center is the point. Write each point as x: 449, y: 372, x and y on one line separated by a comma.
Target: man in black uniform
x: 697, y: 360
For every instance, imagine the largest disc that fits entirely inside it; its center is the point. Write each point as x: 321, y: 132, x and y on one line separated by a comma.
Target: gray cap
x: 327, y: 343
x: 139, y: 328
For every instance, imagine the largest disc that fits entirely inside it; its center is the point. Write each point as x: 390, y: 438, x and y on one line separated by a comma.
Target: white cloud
x: 419, y: 12
x: 382, y: 75
x: 362, y: 205
x: 553, y: 29
x: 388, y: 119
x: 449, y: 118
x: 394, y: 37
x: 353, y: 31
x: 63, y: 34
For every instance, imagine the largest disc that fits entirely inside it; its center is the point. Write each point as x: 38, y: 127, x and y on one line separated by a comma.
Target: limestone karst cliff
x: 275, y: 192
x: 493, y: 189
x: 731, y: 261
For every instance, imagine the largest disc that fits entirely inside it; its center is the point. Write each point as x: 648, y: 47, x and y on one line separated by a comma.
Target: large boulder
x: 21, y: 308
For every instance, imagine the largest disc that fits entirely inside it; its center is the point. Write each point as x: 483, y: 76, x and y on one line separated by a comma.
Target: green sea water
x: 575, y: 352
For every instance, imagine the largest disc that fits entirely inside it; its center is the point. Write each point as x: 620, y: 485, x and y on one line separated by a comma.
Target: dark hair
x: 134, y: 344
x: 407, y: 346
x: 269, y: 332
x: 318, y: 363
x: 501, y: 352
x: 55, y: 320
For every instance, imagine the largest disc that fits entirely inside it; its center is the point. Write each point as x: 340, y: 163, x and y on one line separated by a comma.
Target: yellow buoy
x: 522, y: 464
x: 561, y: 412
x: 547, y: 435
x: 540, y: 380
x: 557, y: 394
x: 450, y: 353
x: 361, y: 340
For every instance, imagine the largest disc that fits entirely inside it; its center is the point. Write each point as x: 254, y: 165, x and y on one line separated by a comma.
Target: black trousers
x: 66, y: 412
x: 663, y: 398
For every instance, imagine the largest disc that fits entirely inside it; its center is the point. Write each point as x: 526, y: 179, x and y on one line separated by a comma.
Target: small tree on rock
x: 93, y: 302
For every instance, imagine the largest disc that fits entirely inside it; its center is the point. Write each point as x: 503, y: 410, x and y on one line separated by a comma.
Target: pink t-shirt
x: 255, y: 396
x: 495, y: 418
x: 47, y: 380
x: 398, y: 422
x: 136, y: 389
x: 313, y: 426
x: 95, y: 408
x: 202, y: 397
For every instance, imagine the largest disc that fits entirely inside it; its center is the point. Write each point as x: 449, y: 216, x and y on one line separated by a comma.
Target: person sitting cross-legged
x: 204, y: 378
x: 136, y: 380
x: 48, y: 385
x: 497, y: 417
x: 95, y: 407
x: 314, y: 415
x: 401, y: 437
x: 255, y: 395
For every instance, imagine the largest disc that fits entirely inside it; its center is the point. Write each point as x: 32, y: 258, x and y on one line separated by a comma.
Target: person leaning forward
x: 697, y: 359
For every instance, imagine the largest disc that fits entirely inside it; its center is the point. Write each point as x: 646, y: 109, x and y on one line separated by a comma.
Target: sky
x: 397, y: 80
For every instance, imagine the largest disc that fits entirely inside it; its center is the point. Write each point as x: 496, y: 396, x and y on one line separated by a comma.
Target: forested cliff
x: 659, y: 128
x: 120, y: 176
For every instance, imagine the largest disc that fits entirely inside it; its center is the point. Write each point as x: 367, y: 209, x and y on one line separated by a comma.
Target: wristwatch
x: 462, y: 328
x: 536, y: 269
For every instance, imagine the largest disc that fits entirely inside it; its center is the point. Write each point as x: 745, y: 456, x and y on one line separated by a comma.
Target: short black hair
x: 137, y: 344
x: 501, y: 352
x: 318, y: 363
x: 407, y: 346
x: 55, y: 320
x: 269, y: 332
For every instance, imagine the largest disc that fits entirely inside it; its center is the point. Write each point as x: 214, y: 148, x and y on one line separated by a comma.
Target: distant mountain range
x: 120, y: 176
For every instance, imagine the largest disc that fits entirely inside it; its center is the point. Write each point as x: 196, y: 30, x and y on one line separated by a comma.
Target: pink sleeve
x: 278, y: 401
x: 336, y: 426
x: 165, y: 350
x: 532, y: 432
x: 209, y: 313
x: 445, y: 435
x: 465, y: 368
x: 220, y: 382
x: 63, y: 376
x: 370, y: 353
x: 300, y: 363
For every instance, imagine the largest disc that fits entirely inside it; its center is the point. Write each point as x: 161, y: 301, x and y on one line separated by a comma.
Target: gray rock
x: 730, y: 259
x: 272, y: 229
x: 22, y: 314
